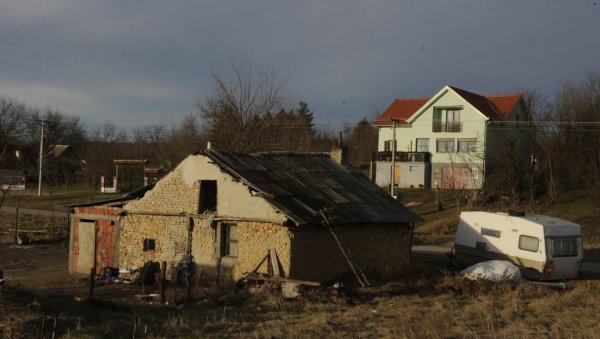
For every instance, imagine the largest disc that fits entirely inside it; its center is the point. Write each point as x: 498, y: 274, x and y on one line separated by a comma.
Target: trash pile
x: 299, y: 290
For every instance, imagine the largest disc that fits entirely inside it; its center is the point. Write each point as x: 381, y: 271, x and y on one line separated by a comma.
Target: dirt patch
x: 42, y: 269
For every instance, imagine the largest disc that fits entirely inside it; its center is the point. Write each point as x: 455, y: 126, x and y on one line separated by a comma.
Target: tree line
x: 563, y: 137
x: 250, y: 111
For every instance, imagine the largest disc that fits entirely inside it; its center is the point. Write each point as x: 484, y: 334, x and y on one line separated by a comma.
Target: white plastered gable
x: 447, y: 90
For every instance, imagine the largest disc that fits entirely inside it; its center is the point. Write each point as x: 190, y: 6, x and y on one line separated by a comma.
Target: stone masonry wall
x: 379, y: 249
x: 170, y: 194
x: 169, y: 233
x: 256, y: 238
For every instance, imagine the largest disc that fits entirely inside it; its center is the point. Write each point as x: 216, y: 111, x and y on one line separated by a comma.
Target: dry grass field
x: 43, y: 300
x: 40, y: 298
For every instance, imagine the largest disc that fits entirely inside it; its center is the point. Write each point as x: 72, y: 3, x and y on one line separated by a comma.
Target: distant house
x: 61, y: 164
x: 17, y: 165
x: 228, y: 210
x: 451, y: 140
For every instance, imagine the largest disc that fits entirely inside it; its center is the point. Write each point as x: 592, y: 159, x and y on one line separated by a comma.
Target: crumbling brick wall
x: 379, y: 249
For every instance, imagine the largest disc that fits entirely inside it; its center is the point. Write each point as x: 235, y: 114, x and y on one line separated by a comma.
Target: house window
x: 527, y: 243
x: 208, y: 196
x: 229, y: 240
x: 467, y: 145
x: 446, y: 120
x: 453, y: 120
x: 445, y: 145
x: 148, y: 245
x: 387, y: 145
x: 422, y: 144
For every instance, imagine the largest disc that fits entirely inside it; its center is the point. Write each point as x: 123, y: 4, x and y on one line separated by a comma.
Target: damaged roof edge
x: 138, y: 193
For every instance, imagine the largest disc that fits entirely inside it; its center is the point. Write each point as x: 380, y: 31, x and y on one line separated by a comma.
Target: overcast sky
x: 141, y: 62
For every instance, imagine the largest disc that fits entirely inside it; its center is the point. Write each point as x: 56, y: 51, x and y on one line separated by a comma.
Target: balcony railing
x: 403, y: 156
x: 447, y: 127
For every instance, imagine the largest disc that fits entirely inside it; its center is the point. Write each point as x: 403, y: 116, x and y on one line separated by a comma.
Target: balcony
x: 403, y: 156
x: 452, y: 127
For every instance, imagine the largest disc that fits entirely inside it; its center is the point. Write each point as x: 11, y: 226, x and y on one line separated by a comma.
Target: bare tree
x: 362, y: 142
x: 108, y: 133
x: 12, y: 121
x: 12, y: 116
x: 577, y: 109
x: 232, y: 114
x: 186, y: 138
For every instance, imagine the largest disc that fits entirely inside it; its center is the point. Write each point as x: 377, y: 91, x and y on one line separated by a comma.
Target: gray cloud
x: 136, y: 62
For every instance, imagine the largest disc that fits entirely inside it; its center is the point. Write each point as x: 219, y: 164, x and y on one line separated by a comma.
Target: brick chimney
x: 339, y: 153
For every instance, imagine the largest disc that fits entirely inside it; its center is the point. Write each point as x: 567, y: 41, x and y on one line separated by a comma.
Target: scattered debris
x: 23, y: 238
x: 289, y: 290
x: 557, y: 286
x: 146, y: 297
x: 148, y: 273
x: 111, y: 275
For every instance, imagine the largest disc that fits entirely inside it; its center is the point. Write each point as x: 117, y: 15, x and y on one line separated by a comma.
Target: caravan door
x: 565, y: 255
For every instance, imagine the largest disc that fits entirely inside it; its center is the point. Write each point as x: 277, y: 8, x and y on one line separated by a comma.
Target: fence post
x: 92, y: 282
x: 17, y: 223
x: 163, y: 278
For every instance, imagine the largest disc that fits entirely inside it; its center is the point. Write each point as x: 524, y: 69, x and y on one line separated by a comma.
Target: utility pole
x: 41, y: 157
x: 393, y: 176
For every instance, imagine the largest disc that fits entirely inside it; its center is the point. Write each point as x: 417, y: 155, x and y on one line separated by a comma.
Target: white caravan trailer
x: 545, y: 248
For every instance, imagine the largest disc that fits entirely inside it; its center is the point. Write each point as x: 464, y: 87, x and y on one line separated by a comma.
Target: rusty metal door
x: 105, y: 245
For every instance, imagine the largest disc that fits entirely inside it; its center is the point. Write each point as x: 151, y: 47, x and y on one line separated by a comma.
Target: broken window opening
x: 229, y: 240
x: 208, y: 196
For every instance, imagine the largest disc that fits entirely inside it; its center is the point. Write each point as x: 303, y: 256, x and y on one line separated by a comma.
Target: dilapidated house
x: 227, y: 211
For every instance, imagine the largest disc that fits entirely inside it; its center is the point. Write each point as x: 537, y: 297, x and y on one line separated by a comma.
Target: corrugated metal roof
x: 301, y: 184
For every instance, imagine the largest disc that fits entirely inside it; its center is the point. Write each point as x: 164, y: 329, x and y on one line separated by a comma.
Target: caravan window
x: 561, y: 247
x: 528, y: 243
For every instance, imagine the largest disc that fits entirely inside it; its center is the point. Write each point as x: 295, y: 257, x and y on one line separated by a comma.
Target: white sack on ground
x: 493, y: 270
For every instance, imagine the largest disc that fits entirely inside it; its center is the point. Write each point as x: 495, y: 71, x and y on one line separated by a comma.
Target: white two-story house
x: 449, y: 141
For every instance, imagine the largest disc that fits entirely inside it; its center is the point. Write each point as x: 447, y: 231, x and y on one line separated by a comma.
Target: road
x: 437, y: 254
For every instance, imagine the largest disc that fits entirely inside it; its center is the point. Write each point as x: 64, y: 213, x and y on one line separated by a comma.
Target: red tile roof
x: 505, y: 103
x: 481, y: 103
x: 495, y: 107
x: 401, y: 109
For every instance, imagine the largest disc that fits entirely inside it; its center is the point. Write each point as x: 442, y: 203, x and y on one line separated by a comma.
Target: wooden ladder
x: 350, y: 258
